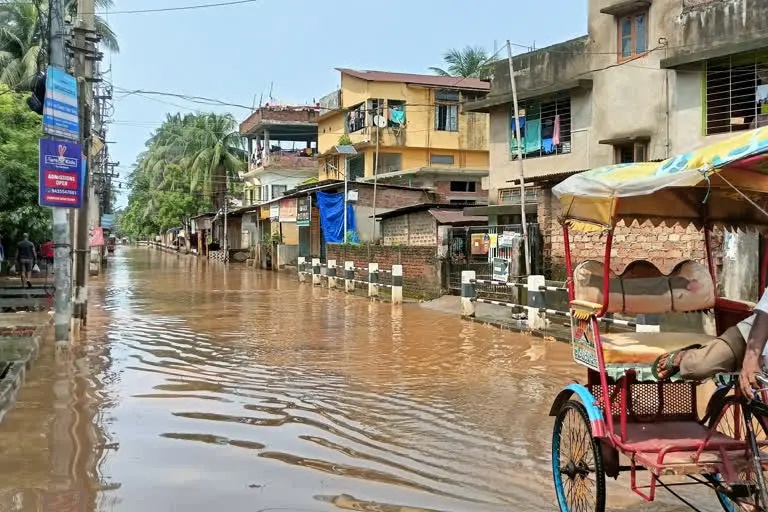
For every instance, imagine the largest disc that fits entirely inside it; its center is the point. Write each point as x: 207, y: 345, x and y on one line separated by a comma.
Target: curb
x: 14, y: 378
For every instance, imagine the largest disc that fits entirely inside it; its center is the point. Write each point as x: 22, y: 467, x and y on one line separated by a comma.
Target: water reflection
x: 200, y: 388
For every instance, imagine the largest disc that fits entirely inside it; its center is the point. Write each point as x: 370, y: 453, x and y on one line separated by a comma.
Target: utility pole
x: 85, y: 54
x: 346, y: 195
x: 62, y: 278
x: 226, y: 202
x: 526, y: 243
x: 377, y: 117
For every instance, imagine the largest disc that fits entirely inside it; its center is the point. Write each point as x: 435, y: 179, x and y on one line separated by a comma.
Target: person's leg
x: 28, y: 272
x: 722, y: 355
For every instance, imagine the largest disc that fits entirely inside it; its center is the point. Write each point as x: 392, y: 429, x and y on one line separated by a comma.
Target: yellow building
x: 416, y: 123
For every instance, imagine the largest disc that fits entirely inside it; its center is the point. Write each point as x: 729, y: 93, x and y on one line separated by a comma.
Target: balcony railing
x: 284, y: 160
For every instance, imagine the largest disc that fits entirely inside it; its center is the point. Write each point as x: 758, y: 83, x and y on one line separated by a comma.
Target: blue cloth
x: 398, y: 116
x: 512, y: 125
x: 548, y: 145
x: 532, y: 136
x: 331, y: 207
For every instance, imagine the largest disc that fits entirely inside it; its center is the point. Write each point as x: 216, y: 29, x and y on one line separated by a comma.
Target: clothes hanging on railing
x: 398, y: 116
x: 532, y: 136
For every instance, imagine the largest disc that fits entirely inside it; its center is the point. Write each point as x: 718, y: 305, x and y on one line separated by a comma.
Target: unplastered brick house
x: 650, y: 79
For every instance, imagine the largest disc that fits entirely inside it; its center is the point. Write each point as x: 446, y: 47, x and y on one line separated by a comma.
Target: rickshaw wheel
x: 577, y: 463
x: 748, y: 493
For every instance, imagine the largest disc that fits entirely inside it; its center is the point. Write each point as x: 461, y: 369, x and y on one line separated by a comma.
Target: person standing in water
x: 27, y: 257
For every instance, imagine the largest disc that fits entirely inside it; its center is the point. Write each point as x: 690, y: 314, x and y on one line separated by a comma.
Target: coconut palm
x: 22, y: 43
x: 24, y: 39
x: 214, y: 154
x: 471, y: 62
x: 208, y: 147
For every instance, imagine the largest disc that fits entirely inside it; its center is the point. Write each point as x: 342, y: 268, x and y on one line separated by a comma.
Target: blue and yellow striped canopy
x: 723, y: 183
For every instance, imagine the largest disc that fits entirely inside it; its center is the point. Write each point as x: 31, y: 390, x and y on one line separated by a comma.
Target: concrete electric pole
x: 62, y: 278
x: 84, y: 56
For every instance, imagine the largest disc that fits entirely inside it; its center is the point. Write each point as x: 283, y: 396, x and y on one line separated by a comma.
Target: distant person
x: 46, y: 252
x: 27, y: 257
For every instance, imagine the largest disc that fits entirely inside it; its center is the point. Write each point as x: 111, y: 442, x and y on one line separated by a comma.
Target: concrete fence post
x: 349, y: 276
x: 397, y: 284
x: 316, y: 271
x: 302, y: 264
x: 468, y: 293
x: 331, y: 273
x: 648, y: 323
x: 536, y: 301
x: 373, y: 279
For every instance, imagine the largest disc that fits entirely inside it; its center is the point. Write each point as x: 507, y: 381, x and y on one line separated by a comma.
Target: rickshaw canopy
x: 723, y: 184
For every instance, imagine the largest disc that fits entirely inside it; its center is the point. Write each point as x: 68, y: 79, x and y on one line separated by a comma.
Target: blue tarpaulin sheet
x: 331, y: 208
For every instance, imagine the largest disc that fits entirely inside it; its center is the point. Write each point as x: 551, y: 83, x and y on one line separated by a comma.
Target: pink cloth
x: 556, y: 133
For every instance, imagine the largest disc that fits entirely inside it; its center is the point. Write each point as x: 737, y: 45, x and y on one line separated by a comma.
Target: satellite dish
x: 380, y: 121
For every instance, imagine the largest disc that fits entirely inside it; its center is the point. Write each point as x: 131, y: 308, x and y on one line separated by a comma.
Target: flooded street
x: 200, y: 388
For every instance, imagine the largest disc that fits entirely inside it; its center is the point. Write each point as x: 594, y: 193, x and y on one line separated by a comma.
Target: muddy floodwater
x: 200, y: 388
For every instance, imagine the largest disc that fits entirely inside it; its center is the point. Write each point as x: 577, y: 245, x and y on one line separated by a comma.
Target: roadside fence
x: 533, y: 300
x: 349, y: 276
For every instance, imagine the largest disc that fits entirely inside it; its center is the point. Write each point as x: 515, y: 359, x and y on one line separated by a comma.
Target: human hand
x: 748, y: 376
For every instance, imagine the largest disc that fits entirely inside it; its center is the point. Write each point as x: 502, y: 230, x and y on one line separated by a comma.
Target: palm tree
x: 214, y: 154
x: 471, y: 62
x: 208, y: 147
x: 24, y: 39
x: 22, y: 44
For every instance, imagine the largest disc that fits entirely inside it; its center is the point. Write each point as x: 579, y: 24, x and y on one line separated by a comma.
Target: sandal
x: 669, y: 366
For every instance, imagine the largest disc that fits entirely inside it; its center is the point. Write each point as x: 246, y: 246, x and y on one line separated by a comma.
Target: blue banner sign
x: 61, y: 174
x: 60, y: 112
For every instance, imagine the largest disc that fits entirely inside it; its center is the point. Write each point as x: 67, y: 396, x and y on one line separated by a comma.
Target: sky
x: 235, y: 53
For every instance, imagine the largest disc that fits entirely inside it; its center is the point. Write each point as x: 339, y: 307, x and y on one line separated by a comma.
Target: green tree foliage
x: 471, y: 62
x: 20, y: 132
x: 24, y: 39
x: 184, y: 171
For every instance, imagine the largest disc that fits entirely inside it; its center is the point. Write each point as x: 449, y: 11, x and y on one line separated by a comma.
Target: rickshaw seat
x: 642, y: 348
x: 643, y: 289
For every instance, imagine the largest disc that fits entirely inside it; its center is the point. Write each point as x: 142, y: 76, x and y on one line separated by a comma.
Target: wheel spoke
x: 577, y: 465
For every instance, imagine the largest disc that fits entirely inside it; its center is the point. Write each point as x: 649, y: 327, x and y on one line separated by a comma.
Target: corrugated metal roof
x: 453, y: 82
x: 455, y: 216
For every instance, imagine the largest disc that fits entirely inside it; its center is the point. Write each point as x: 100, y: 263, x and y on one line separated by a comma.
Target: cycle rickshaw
x: 622, y: 410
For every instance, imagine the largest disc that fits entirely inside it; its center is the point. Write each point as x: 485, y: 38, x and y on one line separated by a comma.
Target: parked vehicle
x: 622, y: 407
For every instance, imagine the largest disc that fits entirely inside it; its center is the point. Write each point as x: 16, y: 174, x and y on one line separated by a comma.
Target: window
x: 447, y: 111
x: 737, y: 92
x: 331, y: 166
x: 390, y: 162
x: 356, y: 118
x: 278, y: 190
x: 441, y: 159
x: 512, y: 196
x: 633, y: 35
x: 631, y: 153
x: 545, y: 128
x: 462, y: 201
x: 463, y: 186
x: 356, y: 167
x: 396, y: 113
x: 374, y: 106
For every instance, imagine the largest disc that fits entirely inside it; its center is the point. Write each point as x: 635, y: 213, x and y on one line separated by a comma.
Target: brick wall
x: 296, y: 115
x: 663, y: 246
x: 421, y: 267
x: 415, y: 229
x: 394, y: 231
